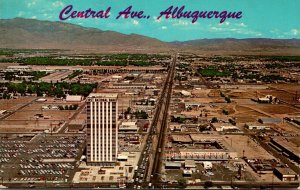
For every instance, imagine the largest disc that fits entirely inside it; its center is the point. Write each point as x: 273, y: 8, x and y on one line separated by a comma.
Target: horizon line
x: 174, y: 41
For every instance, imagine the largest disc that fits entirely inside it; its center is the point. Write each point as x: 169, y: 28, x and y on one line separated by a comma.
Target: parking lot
x: 41, y: 158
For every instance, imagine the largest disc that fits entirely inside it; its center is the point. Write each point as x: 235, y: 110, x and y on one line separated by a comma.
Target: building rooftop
x: 173, y: 164
x: 103, y: 95
x: 291, y: 146
x: 182, y: 138
x: 190, y: 163
x: 286, y: 171
x: 205, y: 137
x: 74, y: 98
x: 269, y: 120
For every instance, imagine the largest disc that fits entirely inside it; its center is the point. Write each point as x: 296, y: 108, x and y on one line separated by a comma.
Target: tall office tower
x: 102, y: 129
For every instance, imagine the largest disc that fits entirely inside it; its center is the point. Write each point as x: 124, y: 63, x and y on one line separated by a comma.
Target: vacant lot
x: 276, y: 109
x: 251, y: 149
x: 13, y: 104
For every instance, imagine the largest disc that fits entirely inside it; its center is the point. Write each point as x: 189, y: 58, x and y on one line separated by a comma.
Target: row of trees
x: 36, y: 75
x: 138, y: 114
x: 227, y: 98
x: 84, y: 62
x: 50, y: 89
x: 74, y: 74
x: 213, y: 72
x: 68, y: 107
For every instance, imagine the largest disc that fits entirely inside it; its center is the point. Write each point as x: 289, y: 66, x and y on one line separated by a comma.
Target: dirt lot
x: 286, y: 128
x: 13, y: 104
x: 201, y: 92
x: 28, y: 126
x: 287, y: 87
x: 30, y: 115
x: 252, y: 149
x: 244, y: 114
x: 276, y: 108
x: 242, y: 94
x: 36, y: 106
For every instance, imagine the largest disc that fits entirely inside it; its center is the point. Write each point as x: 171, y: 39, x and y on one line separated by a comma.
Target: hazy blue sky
x: 261, y: 18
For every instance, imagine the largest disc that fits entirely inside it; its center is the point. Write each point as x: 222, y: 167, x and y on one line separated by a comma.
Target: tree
x: 58, y: 92
x: 61, y: 107
x: 208, y: 184
x: 75, y: 106
x: 214, y: 120
x: 141, y: 115
x: 182, y: 183
x: 31, y: 89
x: 225, y: 112
x: 227, y: 99
x: 128, y: 111
x: 20, y: 88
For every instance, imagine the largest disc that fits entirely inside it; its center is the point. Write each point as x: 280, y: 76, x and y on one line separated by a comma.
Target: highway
x: 162, y: 128
x: 149, y: 164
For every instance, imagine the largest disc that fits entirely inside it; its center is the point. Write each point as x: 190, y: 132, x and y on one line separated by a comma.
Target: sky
x: 278, y: 19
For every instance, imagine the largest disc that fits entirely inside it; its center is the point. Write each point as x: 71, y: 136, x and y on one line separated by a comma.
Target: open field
x: 48, y: 115
x: 252, y: 149
x: 13, y: 104
x: 277, y: 109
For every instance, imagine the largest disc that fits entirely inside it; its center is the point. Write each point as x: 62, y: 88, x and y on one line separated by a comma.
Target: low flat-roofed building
x: 187, y: 173
x: 128, y: 126
x: 116, y: 77
x: 189, y: 164
x: 122, y: 157
x: 288, y: 147
x: 175, y: 127
x: 74, y: 98
x: 129, y: 85
x: 269, y: 120
x: 181, y: 139
x: 204, y: 154
x: 205, y: 138
x: 286, y: 174
x: 15, y: 68
x: 256, y: 126
x: 205, y: 147
x: 173, y: 165
x: 207, y: 165
x: 185, y: 93
x: 192, y: 104
x: 220, y: 127
x: 76, y: 125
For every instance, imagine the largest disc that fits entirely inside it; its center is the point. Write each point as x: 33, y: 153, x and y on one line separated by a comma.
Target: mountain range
x: 31, y: 34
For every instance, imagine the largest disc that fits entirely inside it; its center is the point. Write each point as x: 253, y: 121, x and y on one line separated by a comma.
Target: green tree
x: 227, y: 99
x: 182, y: 183
x: 214, y: 120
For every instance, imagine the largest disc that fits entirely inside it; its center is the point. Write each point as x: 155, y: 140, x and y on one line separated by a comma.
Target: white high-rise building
x: 102, y: 129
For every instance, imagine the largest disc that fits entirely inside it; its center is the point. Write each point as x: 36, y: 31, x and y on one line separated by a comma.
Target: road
x: 149, y: 163
x: 162, y: 127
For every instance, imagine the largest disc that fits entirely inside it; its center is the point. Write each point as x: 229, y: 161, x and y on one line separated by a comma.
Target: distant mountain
x: 231, y: 44
x: 31, y: 33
